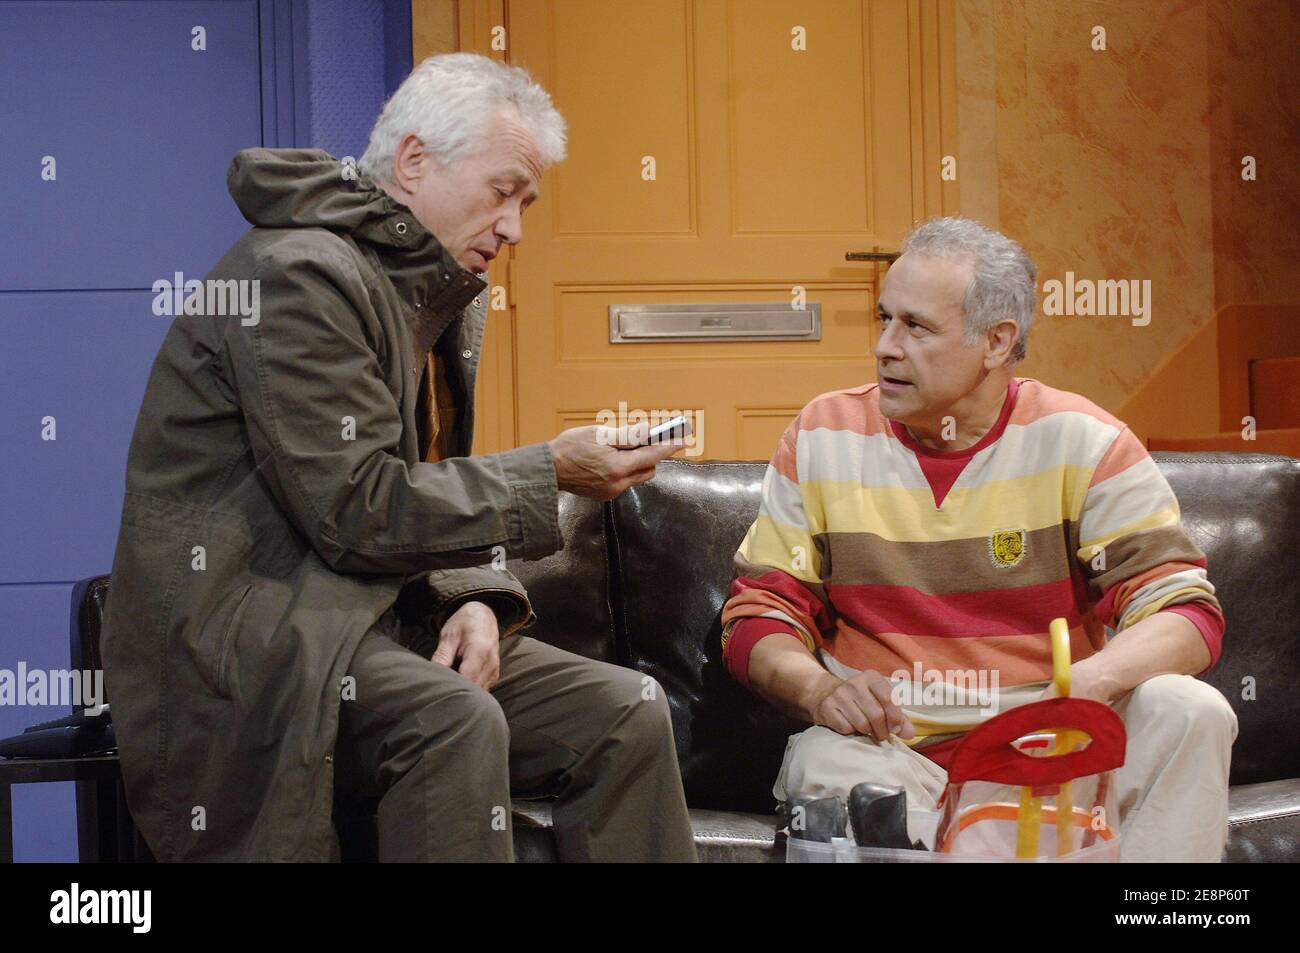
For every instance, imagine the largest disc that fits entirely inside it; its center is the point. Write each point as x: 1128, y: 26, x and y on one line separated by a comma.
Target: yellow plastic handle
x: 1060, y: 630
x: 1030, y: 814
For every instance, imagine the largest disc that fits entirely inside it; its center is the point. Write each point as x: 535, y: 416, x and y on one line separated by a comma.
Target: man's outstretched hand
x: 470, y: 643
x: 592, y: 461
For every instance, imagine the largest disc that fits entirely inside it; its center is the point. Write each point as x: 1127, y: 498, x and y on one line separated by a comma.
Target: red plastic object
x: 987, y: 753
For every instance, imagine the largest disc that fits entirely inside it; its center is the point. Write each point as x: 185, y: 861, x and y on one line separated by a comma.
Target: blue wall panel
x: 81, y: 357
x: 142, y: 129
x: 346, y: 97
x: 346, y: 40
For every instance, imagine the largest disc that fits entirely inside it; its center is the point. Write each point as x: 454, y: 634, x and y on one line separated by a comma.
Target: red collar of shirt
x: 943, y: 467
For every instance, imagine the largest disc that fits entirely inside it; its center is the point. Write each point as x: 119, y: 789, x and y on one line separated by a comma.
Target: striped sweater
x: 880, y: 553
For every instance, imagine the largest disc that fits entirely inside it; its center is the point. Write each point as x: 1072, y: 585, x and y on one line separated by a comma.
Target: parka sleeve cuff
x: 534, y: 502
x: 511, y: 607
x: 430, y: 598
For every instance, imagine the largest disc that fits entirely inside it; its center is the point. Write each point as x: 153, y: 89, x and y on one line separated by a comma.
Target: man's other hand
x: 470, y: 643
x: 861, y: 705
x: 602, y: 462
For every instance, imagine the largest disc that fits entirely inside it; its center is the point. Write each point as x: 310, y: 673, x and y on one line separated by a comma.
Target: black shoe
x: 816, y: 819
x: 879, y: 815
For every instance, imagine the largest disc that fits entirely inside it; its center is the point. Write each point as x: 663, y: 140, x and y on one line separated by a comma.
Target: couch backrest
x: 570, y: 589
x: 1243, y: 511
x: 674, y: 539
x: 675, y: 536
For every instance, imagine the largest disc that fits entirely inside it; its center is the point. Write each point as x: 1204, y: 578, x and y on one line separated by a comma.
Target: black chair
x: 105, y: 831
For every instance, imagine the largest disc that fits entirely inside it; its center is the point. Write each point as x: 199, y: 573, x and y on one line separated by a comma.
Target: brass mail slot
x: 629, y: 323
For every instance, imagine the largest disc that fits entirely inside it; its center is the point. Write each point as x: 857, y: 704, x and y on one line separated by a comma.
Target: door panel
x: 711, y: 161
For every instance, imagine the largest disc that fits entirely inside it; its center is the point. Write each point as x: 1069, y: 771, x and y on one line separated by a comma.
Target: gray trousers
x: 443, y: 755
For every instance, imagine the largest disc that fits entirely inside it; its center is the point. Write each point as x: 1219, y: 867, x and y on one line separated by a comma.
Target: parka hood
x: 309, y: 188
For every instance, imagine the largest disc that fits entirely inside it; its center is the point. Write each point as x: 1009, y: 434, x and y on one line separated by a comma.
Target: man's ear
x: 1002, y: 338
x: 409, y: 162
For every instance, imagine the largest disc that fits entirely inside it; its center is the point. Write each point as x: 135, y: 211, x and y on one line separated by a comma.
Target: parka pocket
x: 216, y: 665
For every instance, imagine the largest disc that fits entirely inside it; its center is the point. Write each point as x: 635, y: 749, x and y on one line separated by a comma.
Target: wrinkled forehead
x: 510, y: 149
x: 926, y: 284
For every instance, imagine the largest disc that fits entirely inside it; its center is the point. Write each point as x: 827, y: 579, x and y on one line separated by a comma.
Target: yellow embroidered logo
x: 1007, y: 547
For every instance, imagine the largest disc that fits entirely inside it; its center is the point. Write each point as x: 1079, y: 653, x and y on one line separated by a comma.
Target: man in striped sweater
x: 924, y: 531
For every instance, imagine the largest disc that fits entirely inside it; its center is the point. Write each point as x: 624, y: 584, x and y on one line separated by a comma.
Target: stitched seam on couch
x: 609, y: 582
x: 614, y: 575
x: 1281, y: 816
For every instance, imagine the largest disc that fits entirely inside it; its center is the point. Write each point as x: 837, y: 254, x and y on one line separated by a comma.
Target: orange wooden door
x: 720, y: 151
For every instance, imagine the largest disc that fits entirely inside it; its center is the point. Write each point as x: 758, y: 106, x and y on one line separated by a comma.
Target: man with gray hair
x: 927, y: 528
x: 309, y: 595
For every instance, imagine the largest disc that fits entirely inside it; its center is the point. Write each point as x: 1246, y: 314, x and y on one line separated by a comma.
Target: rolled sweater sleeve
x: 1136, y: 554
x: 778, y: 585
x: 1208, y: 622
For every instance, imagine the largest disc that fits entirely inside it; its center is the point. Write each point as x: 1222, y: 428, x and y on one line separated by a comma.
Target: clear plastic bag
x: 1030, y: 785
x: 1035, y: 783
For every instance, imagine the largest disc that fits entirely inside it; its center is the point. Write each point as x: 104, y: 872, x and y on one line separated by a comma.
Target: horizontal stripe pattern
x: 1065, y: 514
x: 858, y: 559
x: 1160, y: 592
x: 782, y: 501
x: 881, y: 460
x: 1139, y: 553
x: 1029, y: 503
x: 1018, y: 659
x: 956, y: 615
x: 781, y: 546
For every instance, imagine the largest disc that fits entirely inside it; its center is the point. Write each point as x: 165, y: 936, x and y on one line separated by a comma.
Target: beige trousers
x: 1172, y: 791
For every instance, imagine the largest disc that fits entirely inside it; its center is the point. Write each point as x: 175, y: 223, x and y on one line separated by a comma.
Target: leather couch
x: 641, y: 582
x: 649, y: 595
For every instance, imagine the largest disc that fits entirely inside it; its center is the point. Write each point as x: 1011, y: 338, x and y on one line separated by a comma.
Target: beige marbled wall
x: 1255, y: 110
x: 1100, y: 163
